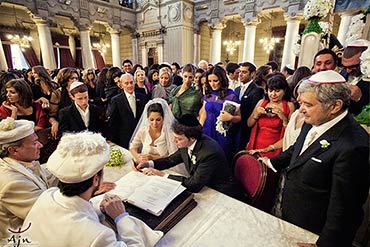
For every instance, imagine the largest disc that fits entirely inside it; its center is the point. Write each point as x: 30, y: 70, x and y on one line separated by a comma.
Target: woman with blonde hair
x: 89, y: 79
x: 140, y: 83
x: 165, y: 86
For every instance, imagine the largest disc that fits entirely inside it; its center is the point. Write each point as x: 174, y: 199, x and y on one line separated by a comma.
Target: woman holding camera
x: 269, y: 118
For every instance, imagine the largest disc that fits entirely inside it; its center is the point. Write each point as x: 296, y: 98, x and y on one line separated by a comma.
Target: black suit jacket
x: 356, y: 107
x: 326, y: 187
x: 70, y: 119
x: 210, y: 168
x: 248, y: 102
x: 122, y: 122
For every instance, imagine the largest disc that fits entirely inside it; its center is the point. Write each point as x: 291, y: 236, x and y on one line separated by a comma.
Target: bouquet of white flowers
x: 365, y: 63
x: 316, y: 8
x: 356, y: 28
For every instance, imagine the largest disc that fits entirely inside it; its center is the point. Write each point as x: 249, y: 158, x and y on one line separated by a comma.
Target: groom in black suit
x: 327, y: 169
x: 204, y: 160
x: 126, y: 110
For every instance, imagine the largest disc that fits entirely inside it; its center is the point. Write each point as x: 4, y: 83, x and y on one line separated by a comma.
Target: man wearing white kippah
x: 68, y: 218
x: 327, y: 169
x: 22, y: 180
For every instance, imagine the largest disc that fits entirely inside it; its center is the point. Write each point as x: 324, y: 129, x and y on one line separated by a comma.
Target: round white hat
x: 78, y: 157
x: 327, y: 77
x: 14, y: 130
x: 75, y: 84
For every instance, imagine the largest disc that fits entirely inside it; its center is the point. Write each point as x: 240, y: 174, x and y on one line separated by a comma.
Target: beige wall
x: 205, y: 41
x: 125, y: 45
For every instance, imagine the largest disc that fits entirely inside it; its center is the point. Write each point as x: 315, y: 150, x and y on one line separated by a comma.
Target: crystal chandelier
x: 231, y: 46
x: 23, y: 42
x: 19, y: 38
x: 269, y: 44
x: 101, y: 47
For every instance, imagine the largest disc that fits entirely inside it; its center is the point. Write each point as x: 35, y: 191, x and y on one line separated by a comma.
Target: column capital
x: 251, y: 23
x: 112, y: 30
x: 218, y: 26
x: 298, y: 17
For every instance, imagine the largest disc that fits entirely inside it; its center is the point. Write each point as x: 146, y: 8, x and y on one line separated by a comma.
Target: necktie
x: 309, y: 139
x: 242, y: 91
x: 131, y: 101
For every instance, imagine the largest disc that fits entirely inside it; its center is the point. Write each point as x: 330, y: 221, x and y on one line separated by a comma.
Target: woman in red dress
x: 269, y: 119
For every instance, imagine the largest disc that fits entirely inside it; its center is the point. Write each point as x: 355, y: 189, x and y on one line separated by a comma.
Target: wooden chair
x: 49, y: 144
x: 251, y: 174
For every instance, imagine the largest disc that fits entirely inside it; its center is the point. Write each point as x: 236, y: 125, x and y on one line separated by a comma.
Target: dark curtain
x: 78, y: 58
x: 99, y: 60
x: 66, y: 59
x: 8, y: 55
x: 30, y: 56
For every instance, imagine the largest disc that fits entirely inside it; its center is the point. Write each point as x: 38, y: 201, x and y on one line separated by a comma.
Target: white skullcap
x: 14, y: 130
x: 327, y: 77
x: 359, y: 43
x: 75, y: 84
x: 78, y: 157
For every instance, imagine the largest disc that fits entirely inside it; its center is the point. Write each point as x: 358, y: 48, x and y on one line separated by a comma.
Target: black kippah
x: 189, y: 120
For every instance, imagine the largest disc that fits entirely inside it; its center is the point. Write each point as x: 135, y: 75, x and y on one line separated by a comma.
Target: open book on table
x: 150, y: 193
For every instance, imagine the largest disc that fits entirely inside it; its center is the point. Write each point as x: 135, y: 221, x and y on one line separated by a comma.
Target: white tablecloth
x: 219, y: 220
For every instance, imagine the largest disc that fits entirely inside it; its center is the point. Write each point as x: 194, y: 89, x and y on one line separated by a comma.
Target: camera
x: 268, y: 110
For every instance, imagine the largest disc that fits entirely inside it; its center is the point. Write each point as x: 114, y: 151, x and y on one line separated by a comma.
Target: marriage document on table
x: 151, y: 193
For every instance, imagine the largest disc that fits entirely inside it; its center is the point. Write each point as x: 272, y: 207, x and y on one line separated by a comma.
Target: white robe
x: 58, y: 220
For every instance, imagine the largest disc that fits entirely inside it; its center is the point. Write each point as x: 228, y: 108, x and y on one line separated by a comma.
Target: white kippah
x: 327, y: 77
x: 78, y: 157
x: 14, y: 130
x: 75, y: 84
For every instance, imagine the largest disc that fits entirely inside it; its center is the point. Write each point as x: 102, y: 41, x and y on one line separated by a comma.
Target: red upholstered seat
x: 251, y: 174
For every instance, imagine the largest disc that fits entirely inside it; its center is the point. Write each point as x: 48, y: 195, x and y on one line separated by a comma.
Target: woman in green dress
x: 185, y: 99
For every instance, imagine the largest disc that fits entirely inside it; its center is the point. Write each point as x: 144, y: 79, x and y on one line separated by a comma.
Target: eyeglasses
x: 90, y: 73
x: 351, y: 67
x: 73, y: 78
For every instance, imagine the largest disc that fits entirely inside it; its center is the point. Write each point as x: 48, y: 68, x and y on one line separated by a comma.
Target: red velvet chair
x: 251, y: 174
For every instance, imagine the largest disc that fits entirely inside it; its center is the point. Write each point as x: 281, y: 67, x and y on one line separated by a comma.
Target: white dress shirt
x: 132, y: 102
x: 85, y: 115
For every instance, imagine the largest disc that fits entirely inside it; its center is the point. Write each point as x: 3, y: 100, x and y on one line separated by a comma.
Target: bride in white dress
x: 153, y: 138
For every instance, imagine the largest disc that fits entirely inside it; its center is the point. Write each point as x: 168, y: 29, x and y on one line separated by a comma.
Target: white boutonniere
x: 324, y: 144
x: 193, y: 159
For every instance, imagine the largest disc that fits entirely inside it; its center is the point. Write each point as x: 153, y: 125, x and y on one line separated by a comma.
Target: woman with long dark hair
x: 212, y: 113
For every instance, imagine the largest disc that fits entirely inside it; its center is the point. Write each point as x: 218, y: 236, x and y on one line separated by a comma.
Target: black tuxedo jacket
x: 248, y: 102
x: 70, y: 119
x: 326, y: 186
x: 356, y: 107
x: 122, y: 122
x: 210, y: 168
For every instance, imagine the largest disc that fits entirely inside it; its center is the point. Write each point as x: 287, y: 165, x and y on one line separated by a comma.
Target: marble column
x: 216, y: 43
x: 46, y: 44
x: 292, y: 30
x: 72, y: 46
x: 3, y: 63
x: 144, y: 56
x: 116, y: 57
x: 160, y: 53
x: 135, y: 50
x: 249, y: 41
x: 196, y: 44
x: 345, y: 21
x: 87, y: 56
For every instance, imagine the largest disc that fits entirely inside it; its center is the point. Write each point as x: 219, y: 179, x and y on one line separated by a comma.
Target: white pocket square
x: 316, y: 160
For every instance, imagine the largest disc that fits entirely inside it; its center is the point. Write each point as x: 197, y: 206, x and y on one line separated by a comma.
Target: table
x: 219, y: 220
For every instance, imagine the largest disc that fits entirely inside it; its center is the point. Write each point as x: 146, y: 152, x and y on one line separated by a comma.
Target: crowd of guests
x: 198, y: 117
